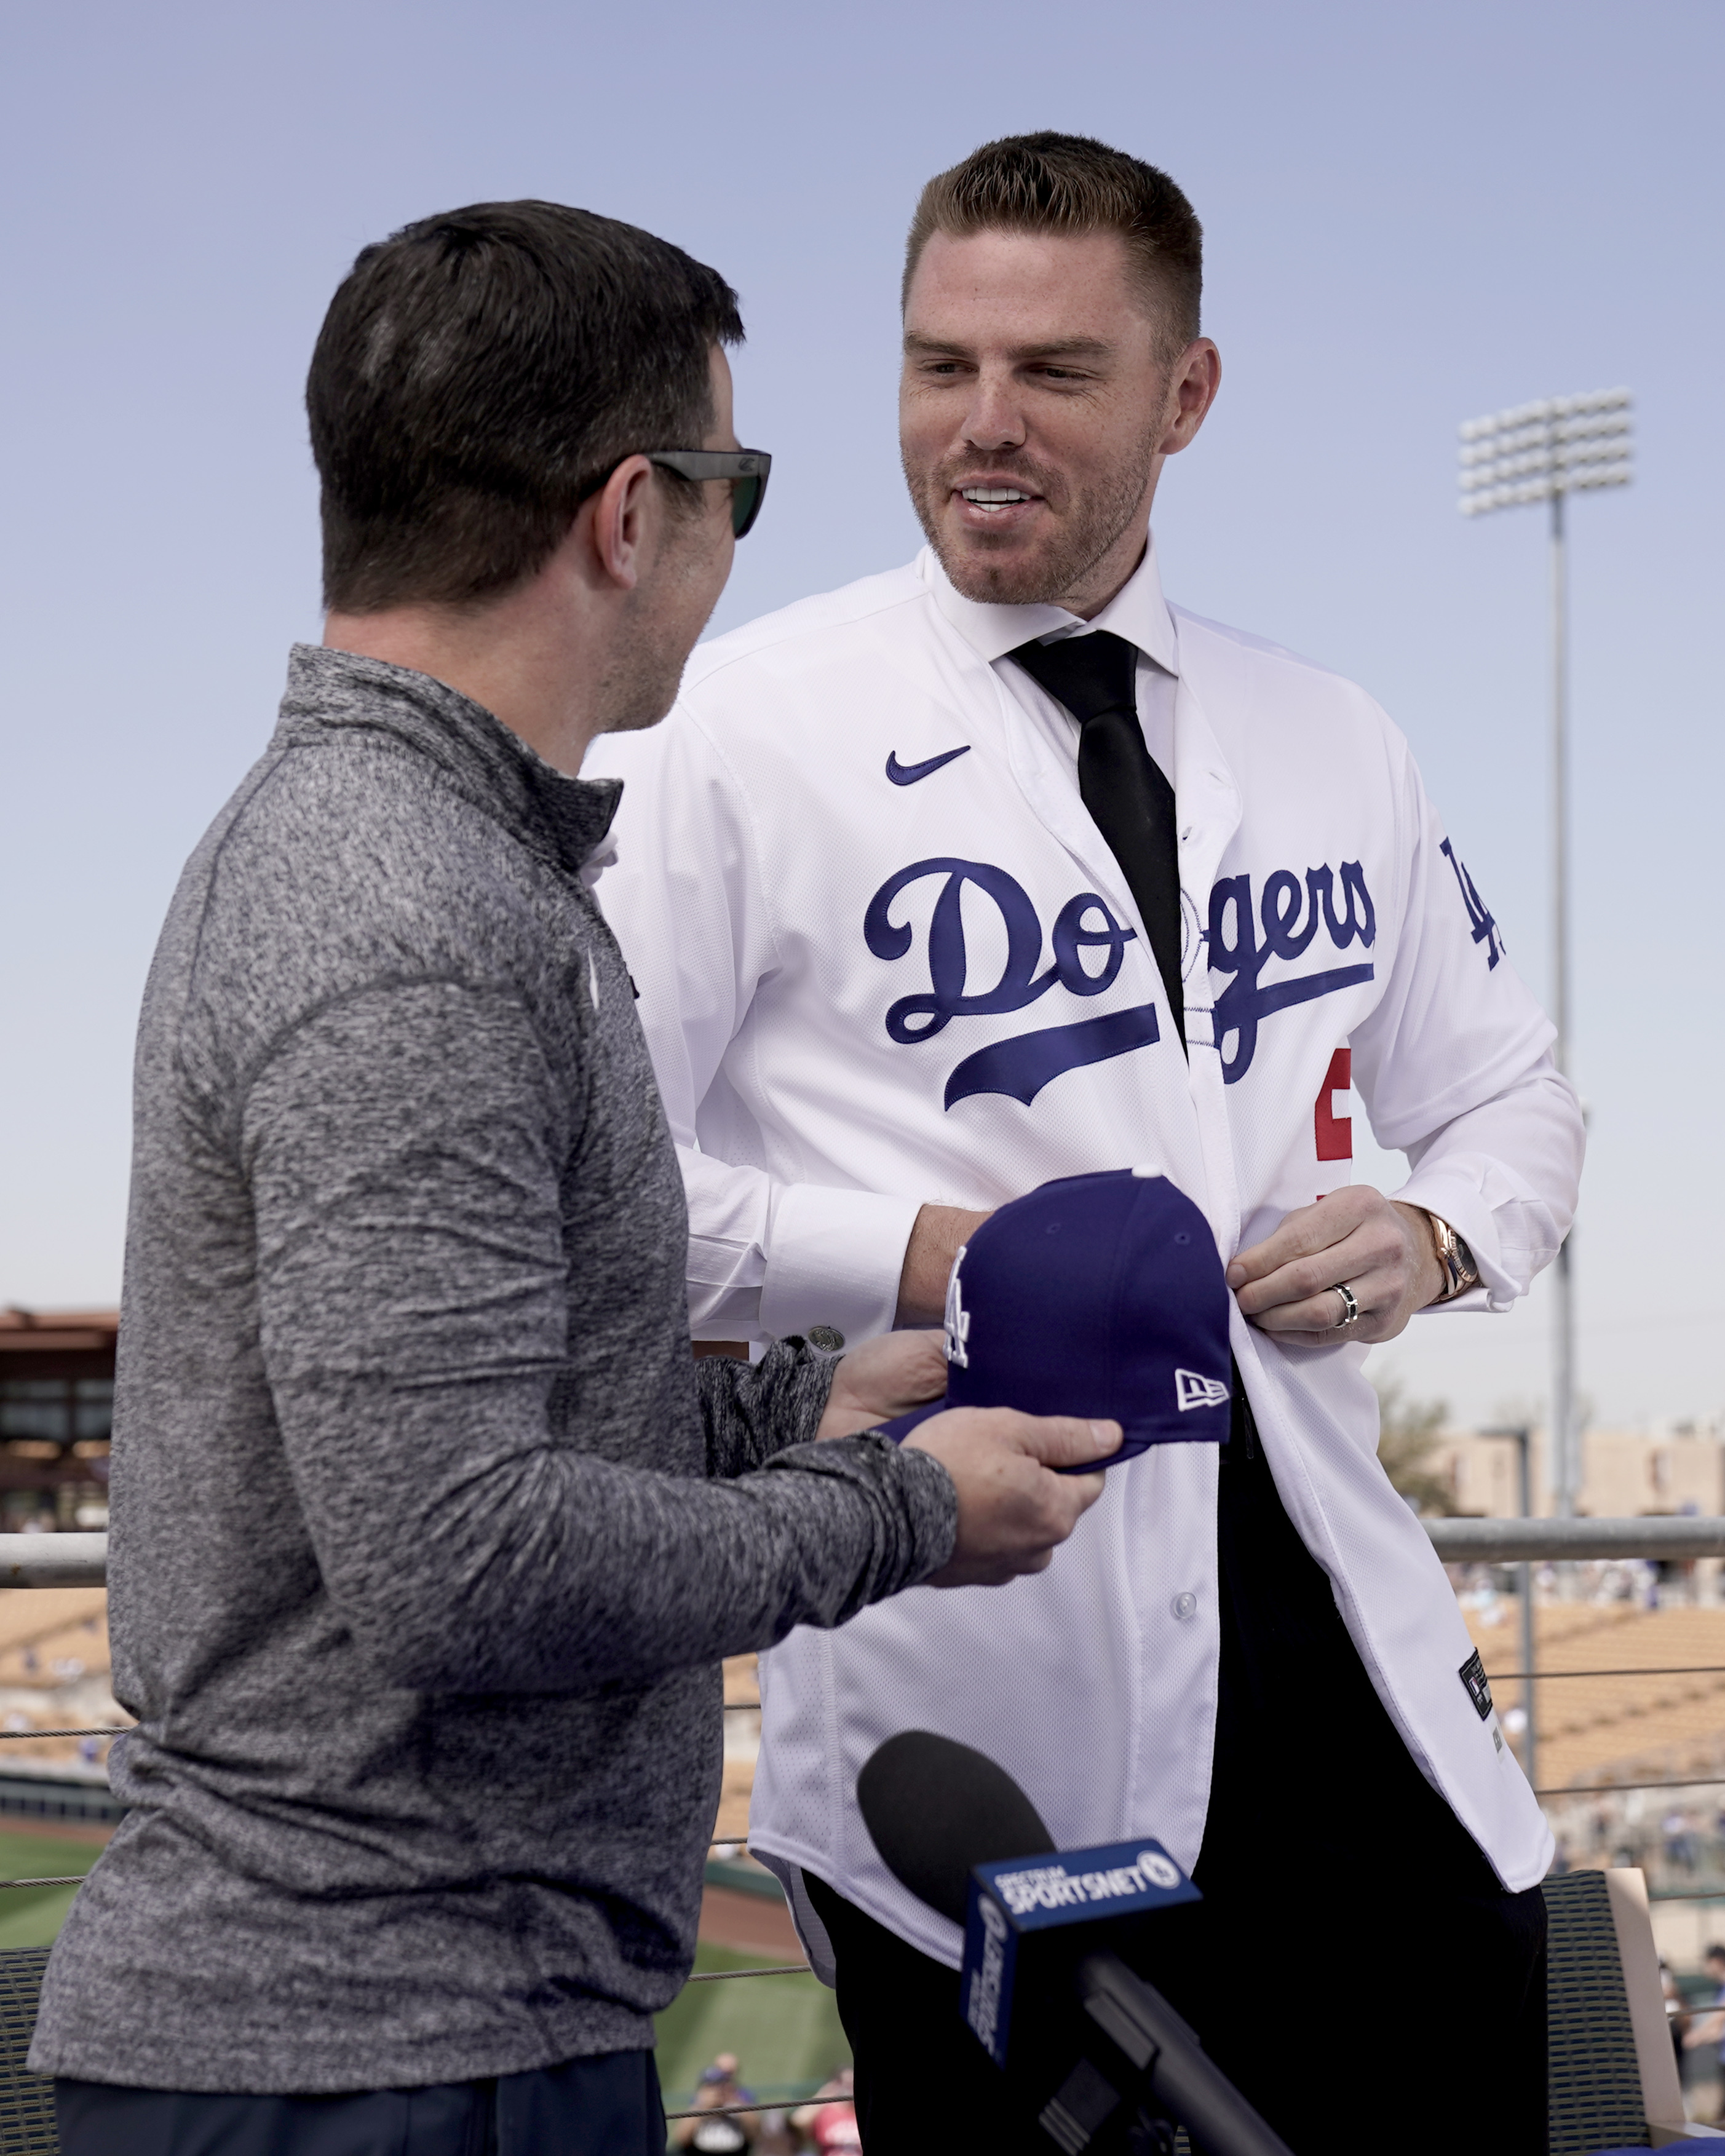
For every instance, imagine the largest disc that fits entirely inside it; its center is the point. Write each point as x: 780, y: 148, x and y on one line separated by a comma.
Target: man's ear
x: 1196, y: 377
x: 622, y: 513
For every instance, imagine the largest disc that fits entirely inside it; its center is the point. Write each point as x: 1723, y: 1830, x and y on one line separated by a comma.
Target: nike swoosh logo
x: 908, y: 774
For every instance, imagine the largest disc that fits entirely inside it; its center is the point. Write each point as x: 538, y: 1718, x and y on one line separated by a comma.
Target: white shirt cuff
x: 1457, y: 1199
x: 834, y: 1258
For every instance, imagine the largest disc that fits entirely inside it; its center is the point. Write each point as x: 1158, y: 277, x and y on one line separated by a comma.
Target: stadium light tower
x: 1545, y: 452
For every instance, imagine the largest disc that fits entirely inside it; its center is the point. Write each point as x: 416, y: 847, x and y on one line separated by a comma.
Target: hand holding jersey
x: 1383, y: 1250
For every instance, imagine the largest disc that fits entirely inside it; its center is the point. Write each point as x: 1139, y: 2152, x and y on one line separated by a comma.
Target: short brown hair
x: 1069, y: 183
x: 480, y: 373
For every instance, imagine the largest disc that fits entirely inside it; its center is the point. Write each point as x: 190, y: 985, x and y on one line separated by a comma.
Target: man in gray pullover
x: 427, y: 1533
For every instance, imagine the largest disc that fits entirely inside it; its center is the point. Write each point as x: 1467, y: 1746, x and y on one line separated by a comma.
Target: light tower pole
x: 1545, y: 452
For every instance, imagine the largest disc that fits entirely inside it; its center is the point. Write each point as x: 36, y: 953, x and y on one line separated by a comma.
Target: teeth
x: 989, y: 494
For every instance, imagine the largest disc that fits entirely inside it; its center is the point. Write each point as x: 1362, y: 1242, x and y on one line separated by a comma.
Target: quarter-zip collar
x: 330, y: 693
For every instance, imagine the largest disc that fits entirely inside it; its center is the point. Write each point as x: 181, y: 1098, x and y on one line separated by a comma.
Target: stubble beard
x: 1093, y: 521
x: 641, y: 685
x: 639, y: 690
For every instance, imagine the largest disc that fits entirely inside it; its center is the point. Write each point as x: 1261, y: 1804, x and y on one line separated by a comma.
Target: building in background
x: 56, y: 1417
x: 1667, y: 1469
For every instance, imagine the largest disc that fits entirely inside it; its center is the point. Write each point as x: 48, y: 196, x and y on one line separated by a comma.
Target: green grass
x: 784, y: 2030
x: 32, y: 1916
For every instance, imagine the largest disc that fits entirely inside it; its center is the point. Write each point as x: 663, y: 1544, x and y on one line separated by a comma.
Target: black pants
x: 1354, y: 1967
x: 608, y: 2106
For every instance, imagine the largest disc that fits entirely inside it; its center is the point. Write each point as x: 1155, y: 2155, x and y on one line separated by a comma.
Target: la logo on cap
x: 957, y: 1322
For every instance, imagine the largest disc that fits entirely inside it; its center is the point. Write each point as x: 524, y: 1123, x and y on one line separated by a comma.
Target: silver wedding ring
x: 1350, y: 1308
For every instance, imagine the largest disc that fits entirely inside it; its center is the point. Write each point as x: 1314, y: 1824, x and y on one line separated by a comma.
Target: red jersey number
x: 1335, y: 1133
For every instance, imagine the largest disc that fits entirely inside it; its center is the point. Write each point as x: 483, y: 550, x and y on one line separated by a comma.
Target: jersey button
x: 1184, y: 1606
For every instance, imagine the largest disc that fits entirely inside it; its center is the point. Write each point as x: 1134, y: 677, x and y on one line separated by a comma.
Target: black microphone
x: 935, y: 1808
x: 1043, y: 1976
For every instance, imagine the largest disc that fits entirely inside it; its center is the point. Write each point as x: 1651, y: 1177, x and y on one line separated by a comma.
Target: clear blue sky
x: 1413, y: 215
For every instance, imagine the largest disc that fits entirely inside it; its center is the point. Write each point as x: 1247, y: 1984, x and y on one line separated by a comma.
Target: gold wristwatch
x: 1454, y: 1260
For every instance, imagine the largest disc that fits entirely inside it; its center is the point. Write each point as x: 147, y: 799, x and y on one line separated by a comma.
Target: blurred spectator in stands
x: 775, y: 2135
x: 722, y: 2136
x: 1679, y: 1840
x: 830, y: 2118
x: 835, y: 2131
x: 1677, y: 2012
x: 841, y: 2082
x: 1709, y: 2028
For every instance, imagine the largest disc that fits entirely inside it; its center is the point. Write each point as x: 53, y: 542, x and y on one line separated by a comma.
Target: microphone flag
x: 1014, y: 1902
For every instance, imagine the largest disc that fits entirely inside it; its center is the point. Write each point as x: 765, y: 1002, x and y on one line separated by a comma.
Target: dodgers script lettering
x: 1244, y: 939
x: 1022, y: 1066
x: 1234, y: 948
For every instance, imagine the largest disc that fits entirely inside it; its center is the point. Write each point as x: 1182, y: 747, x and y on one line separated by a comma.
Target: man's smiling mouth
x: 994, y: 497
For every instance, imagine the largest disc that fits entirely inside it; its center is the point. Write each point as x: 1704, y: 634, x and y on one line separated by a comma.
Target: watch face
x: 1455, y: 1259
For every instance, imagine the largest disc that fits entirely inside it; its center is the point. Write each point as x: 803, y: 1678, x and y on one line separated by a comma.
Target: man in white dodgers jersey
x: 995, y: 869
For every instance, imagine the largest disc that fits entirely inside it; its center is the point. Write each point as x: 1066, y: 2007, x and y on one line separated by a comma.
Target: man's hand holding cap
x: 1013, y: 1508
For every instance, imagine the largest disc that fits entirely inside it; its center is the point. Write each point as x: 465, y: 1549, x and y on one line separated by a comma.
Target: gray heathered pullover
x: 419, y: 1576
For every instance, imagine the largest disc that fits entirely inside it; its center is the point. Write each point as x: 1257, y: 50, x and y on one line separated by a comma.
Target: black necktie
x: 1130, y: 802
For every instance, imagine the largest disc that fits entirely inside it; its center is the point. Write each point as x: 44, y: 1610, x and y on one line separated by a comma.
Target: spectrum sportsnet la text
x: 1052, y: 1887
x: 1015, y: 1901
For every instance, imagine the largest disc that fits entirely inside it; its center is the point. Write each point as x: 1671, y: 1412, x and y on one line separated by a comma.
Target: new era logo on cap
x: 1099, y: 1296
x: 1192, y: 1391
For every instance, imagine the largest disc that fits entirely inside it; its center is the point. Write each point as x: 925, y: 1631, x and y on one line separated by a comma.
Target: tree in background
x: 1407, y: 1432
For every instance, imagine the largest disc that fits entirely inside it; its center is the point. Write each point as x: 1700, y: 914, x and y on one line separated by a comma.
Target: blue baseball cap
x: 1098, y: 1296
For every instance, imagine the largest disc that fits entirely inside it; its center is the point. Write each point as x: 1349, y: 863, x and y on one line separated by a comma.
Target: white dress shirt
x: 1137, y: 612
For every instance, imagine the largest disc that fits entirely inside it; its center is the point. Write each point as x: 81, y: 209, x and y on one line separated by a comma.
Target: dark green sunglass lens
x: 745, y: 502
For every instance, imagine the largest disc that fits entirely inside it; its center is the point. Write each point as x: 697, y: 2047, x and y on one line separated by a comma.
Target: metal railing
x: 1559, y: 1542
x: 80, y: 1560
x: 55, y: 1560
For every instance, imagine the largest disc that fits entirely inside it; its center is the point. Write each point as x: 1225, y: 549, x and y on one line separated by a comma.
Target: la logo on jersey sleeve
x: 1484, y: 929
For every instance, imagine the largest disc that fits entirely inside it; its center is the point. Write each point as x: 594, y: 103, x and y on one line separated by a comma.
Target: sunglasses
x: 747, y: 469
